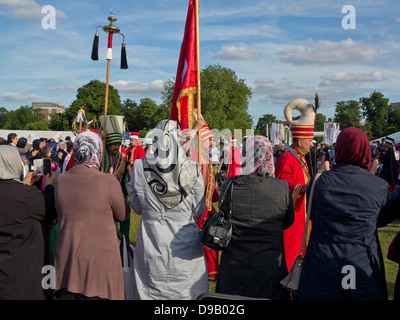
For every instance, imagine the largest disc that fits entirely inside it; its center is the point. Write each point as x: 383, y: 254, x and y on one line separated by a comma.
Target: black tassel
x: 124, y: 62
x: 95, y: 48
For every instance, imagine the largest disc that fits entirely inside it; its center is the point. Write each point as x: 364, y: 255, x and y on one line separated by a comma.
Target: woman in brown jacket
x: 87, y: 257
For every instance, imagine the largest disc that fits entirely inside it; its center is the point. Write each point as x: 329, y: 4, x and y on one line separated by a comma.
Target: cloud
x: 282, y: 92
x: 16, y: 97
x: 342, y: 79
x: 236, y: 53
x: 153, y: 88
x: 27, y: 10
x: 62, y: 88
x: 328, y: 52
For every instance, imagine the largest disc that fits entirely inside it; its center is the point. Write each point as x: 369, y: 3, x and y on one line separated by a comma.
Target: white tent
x: 56, y: 135
x: 395, y: 136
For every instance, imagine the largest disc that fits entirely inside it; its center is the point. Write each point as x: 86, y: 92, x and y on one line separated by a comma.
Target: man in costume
x: 292, y: 167
x: 389, y: 163
x: 135, y: 151
x: 211, y: 194
x: 234, y: 159
x: 115, y: 159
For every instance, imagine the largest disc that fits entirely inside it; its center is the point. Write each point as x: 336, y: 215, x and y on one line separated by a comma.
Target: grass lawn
x: 386, y: 235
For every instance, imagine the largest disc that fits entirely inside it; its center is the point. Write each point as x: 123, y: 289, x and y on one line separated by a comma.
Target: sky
x: 283, y: 50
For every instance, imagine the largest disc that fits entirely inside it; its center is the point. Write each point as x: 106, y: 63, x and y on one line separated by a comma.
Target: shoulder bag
x: 216, y: 231
x: 291, y: 281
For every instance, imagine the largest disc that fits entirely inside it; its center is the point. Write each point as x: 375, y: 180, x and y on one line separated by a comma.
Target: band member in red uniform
x: 234, y: 160
x: 292, y: 167
x: 135, y: 151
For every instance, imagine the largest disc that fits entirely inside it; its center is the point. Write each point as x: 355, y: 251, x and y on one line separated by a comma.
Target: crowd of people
x: 173, y: 192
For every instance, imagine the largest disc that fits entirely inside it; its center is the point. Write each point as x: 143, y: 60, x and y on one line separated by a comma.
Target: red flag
x: 185, y: 83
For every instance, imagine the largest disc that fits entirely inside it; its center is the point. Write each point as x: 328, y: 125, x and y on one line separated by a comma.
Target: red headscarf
x: 352, y: 146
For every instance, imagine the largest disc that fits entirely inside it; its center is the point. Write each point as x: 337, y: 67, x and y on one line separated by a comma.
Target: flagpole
x: 105, y: 112
x: 198, y: 75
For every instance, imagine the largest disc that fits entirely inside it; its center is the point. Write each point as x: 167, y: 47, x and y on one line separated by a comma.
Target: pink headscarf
x: 258, y: 154
x: 352, y: 146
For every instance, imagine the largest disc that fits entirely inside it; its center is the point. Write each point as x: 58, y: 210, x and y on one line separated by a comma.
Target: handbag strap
x: 229, y: 189
x: 309, y: 204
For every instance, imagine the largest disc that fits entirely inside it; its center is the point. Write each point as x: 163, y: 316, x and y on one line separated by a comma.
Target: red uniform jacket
x: 289, y: 168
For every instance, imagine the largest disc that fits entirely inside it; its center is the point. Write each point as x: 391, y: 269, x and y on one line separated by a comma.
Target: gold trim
x: 188, y: 92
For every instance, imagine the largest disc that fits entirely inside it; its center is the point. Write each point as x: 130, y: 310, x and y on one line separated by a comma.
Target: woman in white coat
x: 167, y: 189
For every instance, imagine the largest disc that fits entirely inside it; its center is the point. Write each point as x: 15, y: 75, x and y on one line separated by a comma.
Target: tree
x: 91, y: 97
x: 3, y: 116
x: 393, y: 122
x: 224, y: 98
x: 59, y: 122
x: 133, y: 115
x: 348, y: 114
x: 375, y: 110
x: 20, y: 118
x: 262, y: 124
x: 319, y: 122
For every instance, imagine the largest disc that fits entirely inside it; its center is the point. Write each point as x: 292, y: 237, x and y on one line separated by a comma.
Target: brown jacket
x: 87, y: 257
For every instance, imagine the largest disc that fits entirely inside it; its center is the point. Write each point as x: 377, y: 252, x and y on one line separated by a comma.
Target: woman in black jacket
x: 254, y: 262
x: 24, y: 210
x: 344, y: 259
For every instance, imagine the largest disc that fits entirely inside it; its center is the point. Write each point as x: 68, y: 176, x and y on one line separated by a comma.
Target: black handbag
x: 292, y: 280
x: 216, y: 231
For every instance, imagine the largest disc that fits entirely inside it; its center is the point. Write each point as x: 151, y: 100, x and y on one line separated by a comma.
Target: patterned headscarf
x: 258, y: 157
x: 169, y: 173
x: 88, y: 149
x: 10, y: 163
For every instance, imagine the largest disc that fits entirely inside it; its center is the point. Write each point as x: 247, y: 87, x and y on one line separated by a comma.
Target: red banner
x: 185, y: 83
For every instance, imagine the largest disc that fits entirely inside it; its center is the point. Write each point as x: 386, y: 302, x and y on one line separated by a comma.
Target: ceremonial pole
x: 197, y: 9
x: 111, y: 29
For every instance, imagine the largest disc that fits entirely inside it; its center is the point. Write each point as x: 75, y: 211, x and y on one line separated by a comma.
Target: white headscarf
x: 11, y: 166
x: 169, y: 173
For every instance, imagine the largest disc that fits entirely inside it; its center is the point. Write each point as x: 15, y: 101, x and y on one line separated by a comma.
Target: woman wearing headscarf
x: 344, y: 259
x: 87, y: 258
x: 254, y: 262
x: 167, y: 190
x: 22, y: 244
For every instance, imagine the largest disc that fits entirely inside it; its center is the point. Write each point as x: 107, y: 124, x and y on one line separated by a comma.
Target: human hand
x: 31, y: 178
x: 50, y: 178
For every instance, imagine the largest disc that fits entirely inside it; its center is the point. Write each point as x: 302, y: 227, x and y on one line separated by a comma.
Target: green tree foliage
x: 262, y: 122
x: 91, y: 97
x: 224, y: 99
x: 18, y: 119
x: 393, y: 122
x: 319, y: 122
x: 3, y: 116
x: 60, y: 122
x: 375, y: 110
x: 348, y: 114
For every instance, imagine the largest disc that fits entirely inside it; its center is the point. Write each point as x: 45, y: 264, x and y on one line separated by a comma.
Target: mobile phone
x: 41, y: 166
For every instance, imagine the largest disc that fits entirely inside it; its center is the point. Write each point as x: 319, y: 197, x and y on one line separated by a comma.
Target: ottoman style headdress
x: 304, y: 126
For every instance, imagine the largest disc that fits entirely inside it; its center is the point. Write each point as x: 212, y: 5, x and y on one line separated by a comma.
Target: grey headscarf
x: 11, y: 166
x: 169, y: 173
x: 88, y: 149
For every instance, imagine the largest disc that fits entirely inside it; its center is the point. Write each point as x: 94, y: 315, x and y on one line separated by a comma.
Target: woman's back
x: 254, y: 262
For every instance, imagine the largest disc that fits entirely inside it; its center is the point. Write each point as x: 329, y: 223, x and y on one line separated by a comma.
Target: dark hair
x: 11, y: 136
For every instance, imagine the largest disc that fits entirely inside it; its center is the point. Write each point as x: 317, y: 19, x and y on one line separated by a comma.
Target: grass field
x: 386, y: 235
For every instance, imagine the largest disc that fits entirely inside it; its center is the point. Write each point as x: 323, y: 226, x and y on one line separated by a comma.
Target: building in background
x: 48, y: 108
